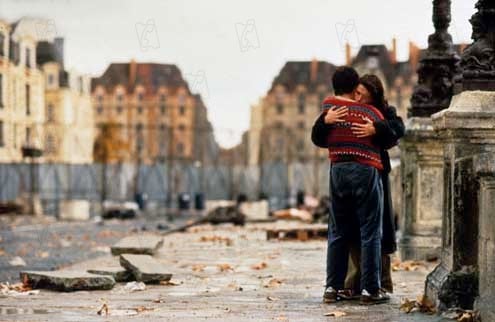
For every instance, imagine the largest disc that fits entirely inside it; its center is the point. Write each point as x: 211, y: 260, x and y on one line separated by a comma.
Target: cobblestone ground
x: 221, y: 273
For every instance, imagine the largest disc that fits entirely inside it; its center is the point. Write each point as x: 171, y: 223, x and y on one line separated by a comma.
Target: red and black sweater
x: 342, y: 144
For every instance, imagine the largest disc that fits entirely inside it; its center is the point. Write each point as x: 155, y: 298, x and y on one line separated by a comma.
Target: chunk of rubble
x: 138, y: 244
x: 118, y: 273
x: 145, y: 268
x: 67, y: 281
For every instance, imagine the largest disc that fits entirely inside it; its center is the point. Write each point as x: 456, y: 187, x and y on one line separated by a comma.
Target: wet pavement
x: 45, y: 244
x: 222, y: 273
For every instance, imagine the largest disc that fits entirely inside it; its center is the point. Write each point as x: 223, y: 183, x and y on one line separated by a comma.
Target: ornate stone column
x: 421, y: 151
x: 467, y: 132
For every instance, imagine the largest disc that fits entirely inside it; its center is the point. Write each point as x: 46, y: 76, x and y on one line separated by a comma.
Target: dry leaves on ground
x: 259, y: 266
x: 274, y: 282
x: 216, y: 238
x: 409, y: 265
x: 225, y: 268
x: 198, y: 267
x: 336, y: 314
x: 16, y: 290
x: 421, y: 304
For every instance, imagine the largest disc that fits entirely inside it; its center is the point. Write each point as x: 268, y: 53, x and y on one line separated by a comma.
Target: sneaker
x: 376, y: 298
x: 330, y: 295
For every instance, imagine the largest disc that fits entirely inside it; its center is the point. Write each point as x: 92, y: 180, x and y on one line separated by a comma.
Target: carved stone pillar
x: 467, y: 131
x: 421, y: 151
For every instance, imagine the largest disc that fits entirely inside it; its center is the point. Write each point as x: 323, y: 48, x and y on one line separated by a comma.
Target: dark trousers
x: 355, y: 214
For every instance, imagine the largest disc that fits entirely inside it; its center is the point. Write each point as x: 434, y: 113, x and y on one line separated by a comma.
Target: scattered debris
x: 103, y: 310
x: 170, y: 283
x: 120, y: 210
x: 461, y: 315
x: 10, y: 207
x: 138, y: 244
x: 259, y: 266
x: 272, y: 298
x: 145, y: 268
x: 16, y: 290
x: 17, y: 261
x: 293, y: 214
x: 300, y: 233
x: 421, y: 304
x: 135, y: 286
x: 119, y: 273
x: 219, y: 239
x: 67, y: 281
x: 336, y: 314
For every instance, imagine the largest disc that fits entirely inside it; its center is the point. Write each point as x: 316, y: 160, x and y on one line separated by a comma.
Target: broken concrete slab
x: 67, y: 281
x: 138, y: 244
x: 118, y: 273
x: 145, y: 268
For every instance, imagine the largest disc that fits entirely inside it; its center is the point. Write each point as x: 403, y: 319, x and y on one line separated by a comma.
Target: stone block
x: 145, y: 268
x: 119, y: 273
x: 138, y: 244
x: 257, y: 210
x: 67, y: 281
x: 77, y: 210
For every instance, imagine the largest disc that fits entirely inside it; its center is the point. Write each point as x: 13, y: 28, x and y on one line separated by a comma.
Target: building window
x: 51, y: 79
x: 28, y: 57
x: 50, y: 144
x: 120, y: 98
x: 1, y: 90
x: 50, y: 113
x: 140, y: 97
x: 182, y: 110
x: 2, y: 48
x: 280, y: 108
x: 139, y: 137
x: 100, y: 98
x: 15, y: 135
x: 28, y: 136
x: 119, y: 109
x: 180, y: 148
x: 300, y: 145
x: 162, y: 97
x: 2, y: 143
x: 28, y: 99
x: 301, y: 103
x: 163, y: 109
x: 140, y: 109
x: 99, y: 109
x: 322, y: 97
x: 300, y: 125
x: 181, y: 127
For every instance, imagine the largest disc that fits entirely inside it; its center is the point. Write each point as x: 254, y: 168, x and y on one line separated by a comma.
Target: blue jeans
x: 355, y: 214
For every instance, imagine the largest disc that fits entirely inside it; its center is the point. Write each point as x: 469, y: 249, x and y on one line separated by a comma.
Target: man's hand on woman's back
x: 335, y: 115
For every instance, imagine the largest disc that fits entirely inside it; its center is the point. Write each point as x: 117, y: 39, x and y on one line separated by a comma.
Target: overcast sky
x: 230, y: 50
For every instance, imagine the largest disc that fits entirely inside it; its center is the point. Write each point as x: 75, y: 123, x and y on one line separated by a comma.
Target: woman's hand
x: 336, y: 115
x: 363, y: 130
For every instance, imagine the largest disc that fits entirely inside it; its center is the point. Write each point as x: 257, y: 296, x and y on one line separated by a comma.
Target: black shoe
x: 347, y: 295
x: 330, y: 295
x: 376, y: 298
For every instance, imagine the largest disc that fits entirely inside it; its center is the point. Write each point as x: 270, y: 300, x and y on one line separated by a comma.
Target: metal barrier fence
x: 161, y: 182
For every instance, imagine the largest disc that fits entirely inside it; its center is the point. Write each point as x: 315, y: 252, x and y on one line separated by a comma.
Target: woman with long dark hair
x: 386, y: 134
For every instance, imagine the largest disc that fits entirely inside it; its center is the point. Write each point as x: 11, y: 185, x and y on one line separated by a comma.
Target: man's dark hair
x: 345, y: 80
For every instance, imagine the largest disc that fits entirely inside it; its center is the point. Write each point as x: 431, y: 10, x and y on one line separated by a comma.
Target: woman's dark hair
x: 375, y: 86
x: 345, y: 80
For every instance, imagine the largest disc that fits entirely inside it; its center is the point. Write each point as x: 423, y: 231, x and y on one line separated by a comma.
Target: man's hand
x: 363, y: 130
x: 336, y: 115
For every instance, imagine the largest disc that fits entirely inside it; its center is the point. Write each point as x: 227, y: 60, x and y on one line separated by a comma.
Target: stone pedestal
x: 422, y: 191
x: 467, y: 130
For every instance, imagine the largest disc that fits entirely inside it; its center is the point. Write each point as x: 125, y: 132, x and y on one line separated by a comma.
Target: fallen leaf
x: 225, y: 267
x: 170, y: 283
x: 422, y: 304
x: 198, y: 267
x: 219, y: 239
x: 272, y: 298
x: 103, y: 310
x: 17, y: 261
x: 140, y: 309
x: 43, y: 254
x: 158, y: 300
x: 259, y: 266
x: 274, y: 282
x: 336, y: 314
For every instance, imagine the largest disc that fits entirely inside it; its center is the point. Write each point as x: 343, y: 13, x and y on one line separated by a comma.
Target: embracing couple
x: 358, y: 126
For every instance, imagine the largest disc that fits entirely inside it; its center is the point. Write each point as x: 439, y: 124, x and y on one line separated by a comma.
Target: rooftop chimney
x: 132, y: 73
x: 414, y: 53
x: 313, y: 70
x: 348, y: 57
x: 393, y: 52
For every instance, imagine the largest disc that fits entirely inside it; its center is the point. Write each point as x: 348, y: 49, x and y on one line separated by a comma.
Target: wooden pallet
x: 301, y: 234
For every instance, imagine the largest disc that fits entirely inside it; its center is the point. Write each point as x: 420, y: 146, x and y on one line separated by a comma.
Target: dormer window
x: 140, y: 96
x: 28, y: 57
x: 51, y: 79
x: 2, y: 44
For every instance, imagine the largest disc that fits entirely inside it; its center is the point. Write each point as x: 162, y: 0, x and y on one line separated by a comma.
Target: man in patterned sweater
x: 355, y: 188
